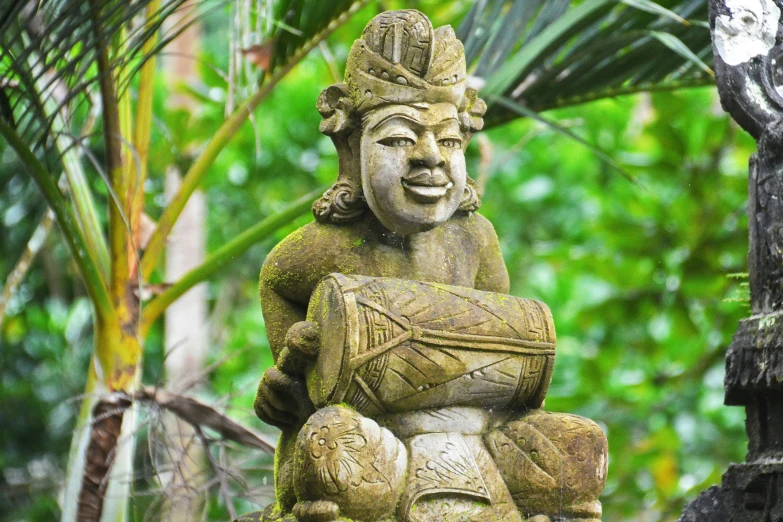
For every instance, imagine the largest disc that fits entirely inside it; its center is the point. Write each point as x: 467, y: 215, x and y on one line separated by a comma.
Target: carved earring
x: 471, y: 201
x: 342, y: 203
x: 336, y: 108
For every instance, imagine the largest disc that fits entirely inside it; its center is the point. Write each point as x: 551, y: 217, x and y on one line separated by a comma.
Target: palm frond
x: 603, y: 156
x: 300, y: 20
x: 48, y: 50
x: 545, y: 54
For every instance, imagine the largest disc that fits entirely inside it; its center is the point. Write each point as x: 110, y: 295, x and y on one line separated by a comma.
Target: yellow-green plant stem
x: 117, y: 352
x: 200, y: 167
x: 112, y: 137
x: 142, y: 130
x: 219, y: 258
x: 87, y: 265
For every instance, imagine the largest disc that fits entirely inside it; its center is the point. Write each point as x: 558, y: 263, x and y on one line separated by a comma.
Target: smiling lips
x: 426, y: 186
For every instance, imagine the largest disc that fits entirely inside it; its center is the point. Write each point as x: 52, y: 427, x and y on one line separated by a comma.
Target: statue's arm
x: 288, y: 277
x: 285, y: 287
x: 280, y: 313
x: 492, y: 275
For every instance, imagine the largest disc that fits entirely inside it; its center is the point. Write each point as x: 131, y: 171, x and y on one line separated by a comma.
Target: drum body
x: 391, y: 345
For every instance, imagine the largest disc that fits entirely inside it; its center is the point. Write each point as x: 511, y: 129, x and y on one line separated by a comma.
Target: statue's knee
x: 346, y: 458
x: 548, y: 459
x: 583, y: 446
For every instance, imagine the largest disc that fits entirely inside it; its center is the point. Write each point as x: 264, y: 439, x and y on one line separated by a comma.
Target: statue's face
x: 413, y: 165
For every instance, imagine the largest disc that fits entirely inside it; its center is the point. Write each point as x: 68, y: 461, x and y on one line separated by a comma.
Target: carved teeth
x: 427, y: 193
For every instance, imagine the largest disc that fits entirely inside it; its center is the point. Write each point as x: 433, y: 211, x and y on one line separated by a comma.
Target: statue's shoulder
x: 312, y: 249
x: 475, y: 226
x: 311, y: 239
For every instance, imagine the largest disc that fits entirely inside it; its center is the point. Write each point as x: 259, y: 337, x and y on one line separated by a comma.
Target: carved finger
x: 303, y: 339
x: 290, y: 393
x: 281, y: 401
x: 270, y: 415
x: 290, y: 363
x: 280, y: 381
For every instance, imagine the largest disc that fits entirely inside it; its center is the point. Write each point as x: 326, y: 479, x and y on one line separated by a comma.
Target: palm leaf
x: 603, y: 156
x: 301, y: 20
x: 547, y: 54
x: 344, y: 9
x: 50, y: 46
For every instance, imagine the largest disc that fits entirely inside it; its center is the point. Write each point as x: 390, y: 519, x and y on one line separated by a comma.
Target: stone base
x: 268, y: 515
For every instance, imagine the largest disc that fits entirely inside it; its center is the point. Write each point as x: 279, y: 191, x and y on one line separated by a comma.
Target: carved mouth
x: 426, y: 186
x: 427, y: 193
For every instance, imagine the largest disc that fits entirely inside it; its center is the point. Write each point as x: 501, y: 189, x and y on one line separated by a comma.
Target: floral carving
x: 347, y: 458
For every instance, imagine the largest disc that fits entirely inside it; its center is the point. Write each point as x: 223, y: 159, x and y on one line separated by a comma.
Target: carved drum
x: 391, y: 345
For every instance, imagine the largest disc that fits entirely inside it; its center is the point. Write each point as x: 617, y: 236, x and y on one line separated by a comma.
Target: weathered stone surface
x: 754, y: 361
x: 747, y: 46
x: 349, y: 461
x: 407, y: 382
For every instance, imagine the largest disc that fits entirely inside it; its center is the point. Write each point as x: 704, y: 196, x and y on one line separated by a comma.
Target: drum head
x: 327, y: 309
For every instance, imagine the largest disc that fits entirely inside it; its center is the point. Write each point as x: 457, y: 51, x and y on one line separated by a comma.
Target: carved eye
x: 451, y: 143
x: 396, y: 141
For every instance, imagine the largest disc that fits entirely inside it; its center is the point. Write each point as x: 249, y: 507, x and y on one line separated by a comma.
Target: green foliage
x: 636, y: 275
x: 555, y: 53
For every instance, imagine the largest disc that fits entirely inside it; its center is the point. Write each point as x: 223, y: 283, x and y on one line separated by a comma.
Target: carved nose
x: 427, y: 154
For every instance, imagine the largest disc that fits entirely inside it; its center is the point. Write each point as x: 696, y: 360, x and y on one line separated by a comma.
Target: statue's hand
x: 282, y: 400
x: 302, y: 343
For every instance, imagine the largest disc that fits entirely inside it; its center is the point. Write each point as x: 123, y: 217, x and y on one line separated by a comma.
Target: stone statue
x: 407, y: 383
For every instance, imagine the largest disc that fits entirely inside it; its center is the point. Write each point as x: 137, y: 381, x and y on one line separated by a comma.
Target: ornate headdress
x: 400, y: 59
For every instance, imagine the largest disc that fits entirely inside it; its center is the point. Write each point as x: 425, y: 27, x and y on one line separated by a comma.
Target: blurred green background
x: 638, y: 276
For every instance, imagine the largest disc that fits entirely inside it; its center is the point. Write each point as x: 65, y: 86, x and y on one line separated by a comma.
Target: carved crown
x: 400, y: 58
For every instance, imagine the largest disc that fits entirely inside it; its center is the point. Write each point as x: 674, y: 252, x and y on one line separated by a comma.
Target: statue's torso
x: 450, y: 254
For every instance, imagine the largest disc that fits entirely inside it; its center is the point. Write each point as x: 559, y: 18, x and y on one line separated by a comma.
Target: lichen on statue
x: 407, y: 383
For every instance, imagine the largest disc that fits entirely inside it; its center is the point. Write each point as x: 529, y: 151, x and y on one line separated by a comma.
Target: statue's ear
x: 471, y: 199
x: 337, y: 110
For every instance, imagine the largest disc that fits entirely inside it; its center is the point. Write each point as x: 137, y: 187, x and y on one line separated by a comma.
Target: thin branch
x: 224, y: 254
x: 218, y: 471
x: 197, y: 414
x: 201, y: 166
